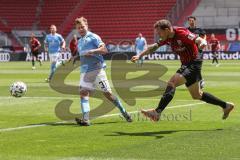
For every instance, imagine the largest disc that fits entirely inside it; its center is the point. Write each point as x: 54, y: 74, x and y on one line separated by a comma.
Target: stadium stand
x: 127, y: 18
x: 55, y: 12
x: 32, y: 15
x: 115, y: 20
x: 218, y: 13
x: 21, y: 15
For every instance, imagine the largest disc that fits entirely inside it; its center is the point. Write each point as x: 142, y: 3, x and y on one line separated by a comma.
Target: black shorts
x: 191, y: 72
x: 35, y: 53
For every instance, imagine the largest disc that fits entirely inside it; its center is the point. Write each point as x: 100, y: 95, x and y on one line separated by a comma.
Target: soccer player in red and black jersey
x: 73, y: 47
x: 35, y: 45
x: 186, y: 45
x: 215, y: 46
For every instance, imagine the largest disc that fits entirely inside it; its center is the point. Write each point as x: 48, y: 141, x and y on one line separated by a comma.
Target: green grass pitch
x: 28, y: 128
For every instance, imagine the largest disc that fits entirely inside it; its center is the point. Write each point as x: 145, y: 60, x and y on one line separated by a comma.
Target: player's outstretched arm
x: 100, y: 50
x: 63, y: 46
x: 39, y: 45
x: 150, y: 49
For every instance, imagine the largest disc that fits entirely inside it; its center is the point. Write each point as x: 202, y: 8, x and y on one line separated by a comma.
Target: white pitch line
x: 171, y: 107
x: 10, y: 97
x: 23, y: 127
x: 186, y: 105
x: 104, y: 116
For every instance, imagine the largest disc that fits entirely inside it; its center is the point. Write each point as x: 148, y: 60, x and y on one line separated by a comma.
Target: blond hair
x: 53, y: 25
x: 81, y: 20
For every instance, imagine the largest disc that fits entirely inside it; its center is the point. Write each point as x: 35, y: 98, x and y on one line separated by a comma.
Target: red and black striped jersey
x: 73, y: 46
x: 34, y: 43
x: 183, y: 44
x: 214, y: 44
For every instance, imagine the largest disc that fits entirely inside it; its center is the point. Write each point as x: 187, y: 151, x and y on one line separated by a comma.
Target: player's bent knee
x: 84, y: 93
x: 175, y: 81
x: 171, y: 83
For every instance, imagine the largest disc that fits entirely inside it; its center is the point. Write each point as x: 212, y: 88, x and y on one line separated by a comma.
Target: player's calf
x: 226, y: 106
x: 154, y: 114
x: 119, y: 105
x: 40, y: 61
x: 166, y: 98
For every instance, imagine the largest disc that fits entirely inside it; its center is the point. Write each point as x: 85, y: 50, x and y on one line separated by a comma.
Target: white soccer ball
x: 18, y: 89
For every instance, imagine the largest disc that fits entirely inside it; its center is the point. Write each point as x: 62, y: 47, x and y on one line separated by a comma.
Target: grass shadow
x: 70, y: 123
x: 157, y: 134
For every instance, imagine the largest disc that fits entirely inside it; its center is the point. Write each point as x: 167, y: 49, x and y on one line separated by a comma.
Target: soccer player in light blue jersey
x: 140, y: 46
x: 54, y: 42
x: 90, y: 49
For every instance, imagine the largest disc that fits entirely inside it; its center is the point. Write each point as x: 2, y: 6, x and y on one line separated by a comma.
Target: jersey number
x: 103, y: 84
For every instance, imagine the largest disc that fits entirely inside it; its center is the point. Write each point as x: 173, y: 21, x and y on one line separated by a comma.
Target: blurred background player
x: 93, y: 75
x: 140, y: 45
x: 54, y: 42
x: 73, y: 45
x: 215, y: 46
x: 199, y: 32
x: 73, y: 48
x: 186, y: 45
x: 194, y: 29
x: 35, y: 45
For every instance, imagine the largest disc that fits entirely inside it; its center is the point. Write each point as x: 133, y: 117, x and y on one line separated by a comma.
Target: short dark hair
x: 81, y: 20
x: 193, y: 17
x: 163, y: 24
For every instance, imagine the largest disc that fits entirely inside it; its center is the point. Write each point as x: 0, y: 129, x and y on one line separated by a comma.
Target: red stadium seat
x: 112, y: 20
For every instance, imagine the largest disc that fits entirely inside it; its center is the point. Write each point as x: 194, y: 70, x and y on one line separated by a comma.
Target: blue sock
x: 53, y: 68
x: 85, y: 107
x: 119, y: 105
